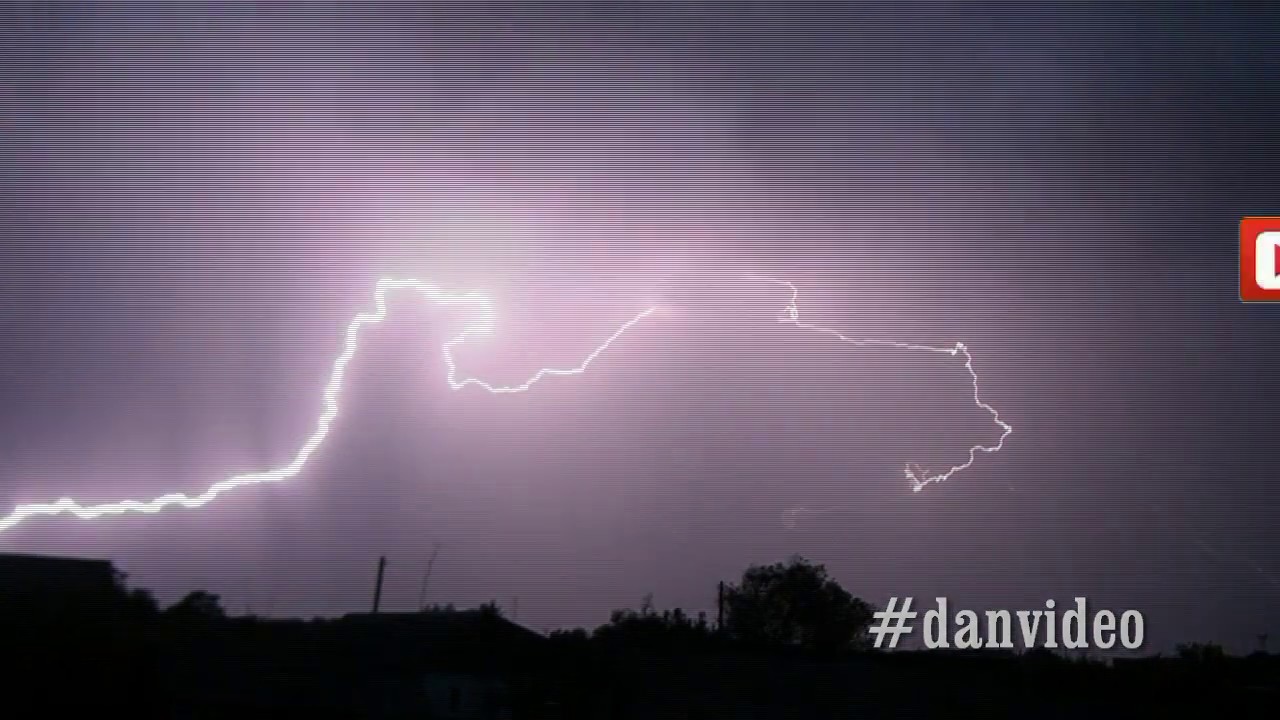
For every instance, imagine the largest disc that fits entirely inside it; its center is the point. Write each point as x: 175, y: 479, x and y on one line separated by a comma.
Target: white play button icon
x: 1264, y: 258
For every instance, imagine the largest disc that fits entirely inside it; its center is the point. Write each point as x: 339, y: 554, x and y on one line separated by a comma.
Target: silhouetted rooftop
x: 447, y: 624
x: 25, y: 559
x: 48, y: 584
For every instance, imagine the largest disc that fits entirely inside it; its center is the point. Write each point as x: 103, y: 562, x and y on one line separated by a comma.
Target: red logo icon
x: 1260, y: 259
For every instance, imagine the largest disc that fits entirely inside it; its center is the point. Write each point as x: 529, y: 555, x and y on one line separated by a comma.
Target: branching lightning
x: 483, y: 325
x: 915, y: 474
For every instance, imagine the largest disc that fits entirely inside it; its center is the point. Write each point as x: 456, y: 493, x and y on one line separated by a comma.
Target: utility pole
x: 422, y: 591
x: 377, y: 588
x: 720, y: 607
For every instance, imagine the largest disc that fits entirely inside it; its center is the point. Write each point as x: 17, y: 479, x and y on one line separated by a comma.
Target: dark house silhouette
x: 66, y: 618
x: 459, y: 665
x: 40, y: 586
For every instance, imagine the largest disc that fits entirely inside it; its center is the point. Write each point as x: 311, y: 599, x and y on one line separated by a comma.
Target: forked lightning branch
x: 484, y: 323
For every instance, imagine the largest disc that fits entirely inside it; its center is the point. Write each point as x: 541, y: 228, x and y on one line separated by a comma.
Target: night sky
x: 197, y: 200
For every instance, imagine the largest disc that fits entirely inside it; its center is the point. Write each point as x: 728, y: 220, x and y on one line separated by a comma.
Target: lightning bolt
x: 915, y: 474
x: 483, y: 326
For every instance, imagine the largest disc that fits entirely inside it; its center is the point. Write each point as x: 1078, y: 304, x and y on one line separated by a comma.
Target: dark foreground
x: 78, y: 641
x: 476, y: 665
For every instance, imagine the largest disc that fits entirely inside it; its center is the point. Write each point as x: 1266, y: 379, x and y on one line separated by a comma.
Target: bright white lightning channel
x: 915, y: 474
x: 482, y: 326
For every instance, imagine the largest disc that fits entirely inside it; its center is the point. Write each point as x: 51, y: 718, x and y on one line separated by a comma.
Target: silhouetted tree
x: 650, y: 628
x: 137, y: 603
x: 1200, y: 652
x: 795, y: 604
x: 142, y: 604
x: 197, y: 605
x: 490, y: 610
x: 573, y: 635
